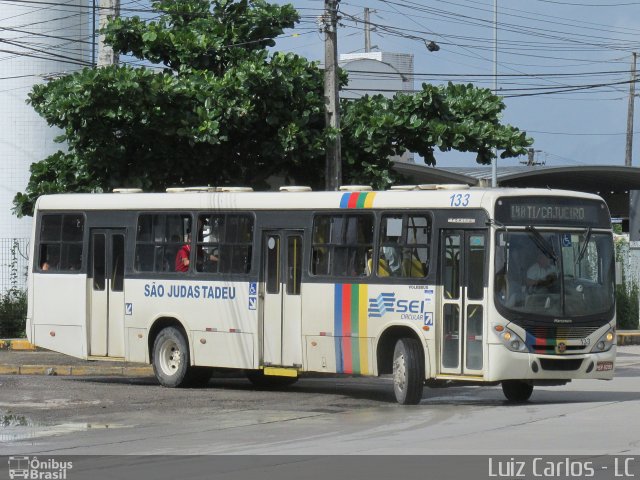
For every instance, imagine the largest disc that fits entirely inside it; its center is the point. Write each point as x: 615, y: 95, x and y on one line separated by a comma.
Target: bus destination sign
x: 535, y: 213
x: 552, y: 211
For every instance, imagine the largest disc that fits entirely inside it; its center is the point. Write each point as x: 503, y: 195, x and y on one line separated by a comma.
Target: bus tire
x: 517, y: 391
x: 408, y: 371
x: 171, y: 358
x: 260, y: 380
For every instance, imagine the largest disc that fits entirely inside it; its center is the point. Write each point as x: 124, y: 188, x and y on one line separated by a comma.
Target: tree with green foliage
x: 215, y: 106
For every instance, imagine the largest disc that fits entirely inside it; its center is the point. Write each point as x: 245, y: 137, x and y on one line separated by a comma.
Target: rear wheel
x: 517, y: 391
x: 260, y: 380
x: 408, y: 371
x: 171, y: 361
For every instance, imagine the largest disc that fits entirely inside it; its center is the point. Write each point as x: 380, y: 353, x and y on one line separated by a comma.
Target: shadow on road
x: 380, y: 391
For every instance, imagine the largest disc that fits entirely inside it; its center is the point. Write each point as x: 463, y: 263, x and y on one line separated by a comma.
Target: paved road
x: 72, y: 415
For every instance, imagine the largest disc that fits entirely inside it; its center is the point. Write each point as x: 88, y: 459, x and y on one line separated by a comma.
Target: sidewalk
x: 41, y: 362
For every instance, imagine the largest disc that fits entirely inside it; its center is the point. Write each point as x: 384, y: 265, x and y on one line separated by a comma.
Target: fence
x: 14, y: 262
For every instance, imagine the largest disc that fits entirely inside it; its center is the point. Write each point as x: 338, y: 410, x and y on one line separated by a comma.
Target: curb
x: 629, y: 337
x: 18, y: 344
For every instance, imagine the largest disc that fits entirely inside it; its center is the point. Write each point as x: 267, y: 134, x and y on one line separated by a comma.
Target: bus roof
x: 291, y: 200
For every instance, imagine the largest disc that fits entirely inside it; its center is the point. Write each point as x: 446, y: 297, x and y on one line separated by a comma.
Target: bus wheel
x: 408, y: 371
x: 260, y: 380
x: 516, y: 390
x: 171, y: 358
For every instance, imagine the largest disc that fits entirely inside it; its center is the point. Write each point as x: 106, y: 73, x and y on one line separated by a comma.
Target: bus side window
x: 61, y: 238
x: 341, y: 243
x: 224, y: 243
x: 158, y: 240
x: 404, y: 245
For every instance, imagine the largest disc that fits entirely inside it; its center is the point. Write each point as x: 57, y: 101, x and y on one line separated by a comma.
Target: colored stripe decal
x: 355, y: 328
x: 368, y: 203
x: 346, y: 329
x: 353, y: 200
x: 357, y: 200
x: 337, y: 326
x: 350, y: 326
x: 362, y: 329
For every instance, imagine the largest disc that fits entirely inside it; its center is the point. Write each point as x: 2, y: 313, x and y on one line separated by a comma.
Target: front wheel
x: 171, y: 361
x: 517, y: 391
x: 408, y: 371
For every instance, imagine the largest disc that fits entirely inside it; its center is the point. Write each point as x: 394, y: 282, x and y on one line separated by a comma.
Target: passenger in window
x: 183, y: 255
x: 394, y: 259
x: 211, y: 258
x: 50, y: 262
x: 542, y: 274
x: 206, y: 256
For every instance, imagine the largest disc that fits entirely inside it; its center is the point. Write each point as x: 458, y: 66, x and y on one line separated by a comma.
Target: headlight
x: 605, y: 342
x: 510, y: 339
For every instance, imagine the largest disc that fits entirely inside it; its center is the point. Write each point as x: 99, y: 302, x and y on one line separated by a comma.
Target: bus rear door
x: 282, y: 306
x: 106, y: 323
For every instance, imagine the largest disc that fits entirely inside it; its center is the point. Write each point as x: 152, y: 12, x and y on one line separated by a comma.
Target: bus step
x: 281, y: 372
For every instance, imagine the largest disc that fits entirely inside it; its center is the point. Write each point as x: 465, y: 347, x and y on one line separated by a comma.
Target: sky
x: 552, y: 57
x: 563, y: 65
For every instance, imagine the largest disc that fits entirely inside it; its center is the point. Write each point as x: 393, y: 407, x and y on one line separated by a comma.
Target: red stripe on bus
x: 353, y: 200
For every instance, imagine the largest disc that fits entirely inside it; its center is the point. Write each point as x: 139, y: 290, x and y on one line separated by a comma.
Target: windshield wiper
x: 583, y: 248
x: 542, y: 244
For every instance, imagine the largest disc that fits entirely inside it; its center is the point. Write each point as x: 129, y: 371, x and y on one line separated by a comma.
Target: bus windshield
x: 567, y: 274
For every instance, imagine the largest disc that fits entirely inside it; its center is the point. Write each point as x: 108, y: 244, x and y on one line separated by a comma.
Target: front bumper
x: 507, y: 365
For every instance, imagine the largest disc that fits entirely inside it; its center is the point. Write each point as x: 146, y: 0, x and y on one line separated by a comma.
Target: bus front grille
x: 551, y: 348
x: 564, y: 332
x: 560, y: 365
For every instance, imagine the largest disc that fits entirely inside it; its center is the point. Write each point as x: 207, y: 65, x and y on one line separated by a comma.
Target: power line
x: 577, y: 134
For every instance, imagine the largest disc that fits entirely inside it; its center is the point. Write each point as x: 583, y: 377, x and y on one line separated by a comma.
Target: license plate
x: 604, y: 366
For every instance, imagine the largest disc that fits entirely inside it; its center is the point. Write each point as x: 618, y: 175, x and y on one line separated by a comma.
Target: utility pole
x: 494, y: 163
x: 367, y: 30
x: 93, y: 33
x: 531, y: 157
x: 333, y: 171
x: 108, y: 9
x: 632, y: 95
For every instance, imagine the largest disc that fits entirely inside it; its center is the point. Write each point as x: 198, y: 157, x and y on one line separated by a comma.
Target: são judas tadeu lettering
x: 154, y: 290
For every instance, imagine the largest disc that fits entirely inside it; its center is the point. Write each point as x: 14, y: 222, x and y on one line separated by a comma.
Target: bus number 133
x: 459, y: 200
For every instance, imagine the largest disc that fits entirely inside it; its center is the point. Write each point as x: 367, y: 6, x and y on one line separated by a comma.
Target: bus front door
x: 106, y: 284
x: 282, y: 306
x: 463, y: 315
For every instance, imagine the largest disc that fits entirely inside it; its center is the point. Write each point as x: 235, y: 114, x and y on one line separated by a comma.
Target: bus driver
x: 542, y: 274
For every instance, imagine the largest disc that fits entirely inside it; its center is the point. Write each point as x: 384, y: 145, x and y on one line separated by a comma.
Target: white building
x: 374, y: 73
x: 377, y: 73
x: 36, y: 42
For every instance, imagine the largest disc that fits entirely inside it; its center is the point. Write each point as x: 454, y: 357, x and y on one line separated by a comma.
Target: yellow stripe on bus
x: 362, y: 328
x: 368, y: 202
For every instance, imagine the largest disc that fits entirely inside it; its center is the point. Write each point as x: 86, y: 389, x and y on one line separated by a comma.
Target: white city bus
x: 433, y: 284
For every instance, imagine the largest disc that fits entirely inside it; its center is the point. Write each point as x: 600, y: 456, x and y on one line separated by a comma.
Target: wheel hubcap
x: 399, y: 373
x: 170, y: 357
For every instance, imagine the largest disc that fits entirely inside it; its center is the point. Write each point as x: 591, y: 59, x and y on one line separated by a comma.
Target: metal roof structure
x: 613, y: 183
